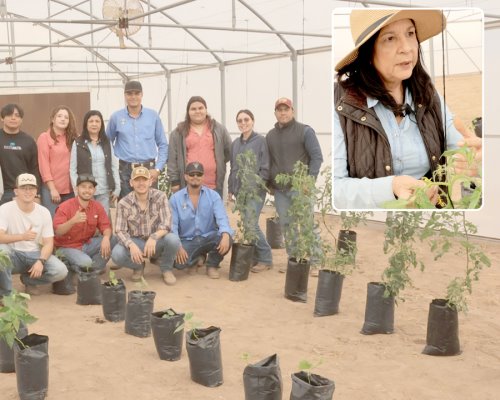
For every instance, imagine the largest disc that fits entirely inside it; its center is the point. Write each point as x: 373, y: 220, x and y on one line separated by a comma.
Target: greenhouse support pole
x: 293, y: 57
x: 222, y: 69
x: 169, y: 100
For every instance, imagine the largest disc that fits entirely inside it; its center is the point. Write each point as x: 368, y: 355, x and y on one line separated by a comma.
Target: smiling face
x: 60, y: 121
x: 140, y: 185
x: 94, y: 125
x: 25, y: 194
x: 395, y: 52
x: 12, y: 123
x: 197, y: 113
x: 85, y: 191
x: 245, y: 122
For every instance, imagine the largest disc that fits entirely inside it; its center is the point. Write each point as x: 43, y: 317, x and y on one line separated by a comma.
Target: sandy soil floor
x: 91, y: 360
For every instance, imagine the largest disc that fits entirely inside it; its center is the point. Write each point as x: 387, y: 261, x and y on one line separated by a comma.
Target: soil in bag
x: 205, y: 359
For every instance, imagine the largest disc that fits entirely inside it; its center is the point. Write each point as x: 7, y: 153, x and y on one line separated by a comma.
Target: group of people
x: 58, y: 190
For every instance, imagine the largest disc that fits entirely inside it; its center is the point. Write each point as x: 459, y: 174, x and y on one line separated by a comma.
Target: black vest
x: 84, y: 160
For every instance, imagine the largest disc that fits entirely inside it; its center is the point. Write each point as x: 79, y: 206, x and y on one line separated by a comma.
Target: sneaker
x: 137, y: 274
x: 32, y: 290
x: 260, y: 268
x: 213, y: 272
x: 169, y: 278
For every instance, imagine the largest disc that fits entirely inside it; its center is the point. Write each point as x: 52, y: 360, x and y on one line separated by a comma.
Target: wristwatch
x: 43, y: 261
x: 154, y: 236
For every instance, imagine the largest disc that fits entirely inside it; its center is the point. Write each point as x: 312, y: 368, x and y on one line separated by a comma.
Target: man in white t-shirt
x: 27, y: 236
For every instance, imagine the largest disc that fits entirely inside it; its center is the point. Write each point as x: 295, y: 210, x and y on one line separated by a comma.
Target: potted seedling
x: 138, y: 311
x: 114, y: 298
x: 401, y: 231
x: 168, y: 340
x: 31, y: 360
x: 88, y: 289
x: 204, y: 352
x: 301, y: 238
x: 308, y: 386
x: 448, y: 231
x: 249, y: 193
x: 262, y: 380
x: 338, y: 255
x: 64, y: 286
x: 274, y: 235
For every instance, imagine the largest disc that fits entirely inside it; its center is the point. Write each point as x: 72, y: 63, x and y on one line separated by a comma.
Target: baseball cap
x: 133, y: 86
x: 26, y: 179
x: 194, y: 166
x: 86, y: 178
x: 138, y: 172
x: 283, y: 101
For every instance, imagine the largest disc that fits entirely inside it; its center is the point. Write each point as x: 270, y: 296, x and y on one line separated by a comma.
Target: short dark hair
x: 245, y: 111
x: 10, y: 109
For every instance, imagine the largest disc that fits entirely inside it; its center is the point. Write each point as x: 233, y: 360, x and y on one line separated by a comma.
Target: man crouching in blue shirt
x: 200, y: 220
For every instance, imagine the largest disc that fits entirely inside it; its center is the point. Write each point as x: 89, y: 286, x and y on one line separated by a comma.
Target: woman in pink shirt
x: 54, y: 153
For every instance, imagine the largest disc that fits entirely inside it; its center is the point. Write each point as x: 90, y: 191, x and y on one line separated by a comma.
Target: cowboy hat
x: 367, y: 22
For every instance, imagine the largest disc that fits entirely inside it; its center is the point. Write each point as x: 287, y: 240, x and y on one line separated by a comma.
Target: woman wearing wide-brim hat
x: 390, y: 124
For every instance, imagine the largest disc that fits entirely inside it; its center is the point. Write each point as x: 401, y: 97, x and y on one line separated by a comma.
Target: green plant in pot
x: 300, y: 237
x: 402, y: 228
x: 31, y: 359
x: 307, y: 385
x: 251, y: 188
x: 114, y: 298
x: 167, y: 336
x: 451, y: 232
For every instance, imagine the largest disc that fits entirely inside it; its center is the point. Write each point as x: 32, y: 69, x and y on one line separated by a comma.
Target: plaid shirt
x: 131, y: 221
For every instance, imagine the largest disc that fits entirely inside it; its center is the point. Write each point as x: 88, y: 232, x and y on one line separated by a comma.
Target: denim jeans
x: 282, y: 202
x: 47, y: 200
x: 262, y: 253
x: 103, y: 198
x: 8, y: 195
x: 53, y: 271
x: 201, y: 246
x: 88, y: 256
x: 165, y: 252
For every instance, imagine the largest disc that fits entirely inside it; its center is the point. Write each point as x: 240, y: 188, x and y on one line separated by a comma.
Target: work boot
x: 260, y: 268
x: 169, y: 278
x: 213, y: 272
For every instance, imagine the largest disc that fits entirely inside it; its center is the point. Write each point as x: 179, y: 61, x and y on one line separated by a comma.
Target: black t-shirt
x: 18, y: 155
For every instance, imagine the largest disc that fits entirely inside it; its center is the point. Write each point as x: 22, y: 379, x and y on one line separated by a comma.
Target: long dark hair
x: 183, y: 126
x: 362, y: 76
x: 85, y: 132
x: 70, y: 132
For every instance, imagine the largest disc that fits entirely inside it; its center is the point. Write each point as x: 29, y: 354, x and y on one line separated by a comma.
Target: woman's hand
x: 55, y: 196
x: 473, y: 142
x: 404, y: 186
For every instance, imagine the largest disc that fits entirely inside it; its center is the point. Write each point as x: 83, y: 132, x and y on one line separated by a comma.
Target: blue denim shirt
x: 209, y: 217
x: 138, y: 139
x: 408, y: 153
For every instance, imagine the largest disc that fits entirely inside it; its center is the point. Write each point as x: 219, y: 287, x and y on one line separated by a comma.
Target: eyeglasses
x: 241, y: 120
x: 27, y: 188
x: 193, y: 174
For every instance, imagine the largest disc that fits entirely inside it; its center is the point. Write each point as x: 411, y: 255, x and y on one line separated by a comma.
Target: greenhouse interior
x: 267, y: 335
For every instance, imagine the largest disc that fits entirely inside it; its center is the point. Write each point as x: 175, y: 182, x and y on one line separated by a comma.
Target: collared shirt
x: 82, y: 232
x: 408, y: 153
x: 98, y: 169
x: 209, y: 217
x: 53, y: 161
x: 131, y: 221
x: 138, y: 139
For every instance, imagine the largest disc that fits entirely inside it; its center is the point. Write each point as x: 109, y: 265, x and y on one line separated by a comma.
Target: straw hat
x: 366, y: 23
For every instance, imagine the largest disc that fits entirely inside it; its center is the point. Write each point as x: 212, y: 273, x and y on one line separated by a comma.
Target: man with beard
x: 26, y: 235
x: 143, y: 228
x: 200, y: 220
x: 75, y: 224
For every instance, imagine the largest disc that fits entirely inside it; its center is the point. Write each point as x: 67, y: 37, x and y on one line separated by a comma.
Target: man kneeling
x: 143, y: 224
x: 26, y: 235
